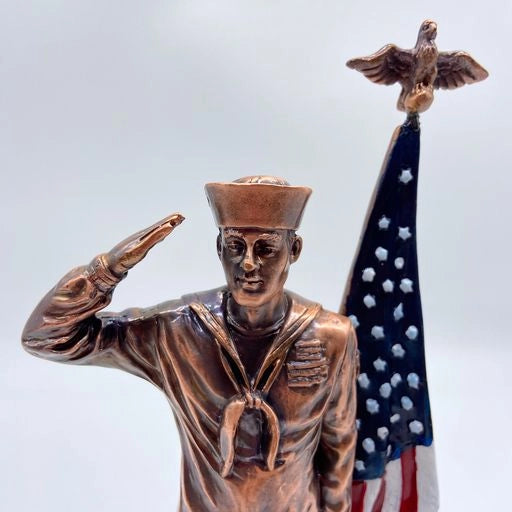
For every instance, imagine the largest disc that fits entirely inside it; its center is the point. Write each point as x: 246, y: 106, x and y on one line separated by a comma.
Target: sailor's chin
x: 248, y: 297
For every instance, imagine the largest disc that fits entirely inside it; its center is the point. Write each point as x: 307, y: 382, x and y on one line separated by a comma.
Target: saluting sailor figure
x: 260, y: 380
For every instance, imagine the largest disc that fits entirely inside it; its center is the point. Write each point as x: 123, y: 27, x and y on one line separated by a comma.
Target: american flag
x: 395, y: 465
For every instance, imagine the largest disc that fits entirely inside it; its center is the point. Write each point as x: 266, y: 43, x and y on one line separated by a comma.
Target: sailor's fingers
x: 158, y: 231
x: 130, y: 251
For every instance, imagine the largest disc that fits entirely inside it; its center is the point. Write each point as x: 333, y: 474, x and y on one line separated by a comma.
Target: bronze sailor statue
x: 261, y: 381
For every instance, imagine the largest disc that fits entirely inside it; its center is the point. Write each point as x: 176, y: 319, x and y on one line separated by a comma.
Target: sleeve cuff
x: 101, y: 276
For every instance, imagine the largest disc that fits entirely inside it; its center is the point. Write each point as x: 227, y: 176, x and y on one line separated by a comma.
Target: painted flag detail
x: 395, y: 470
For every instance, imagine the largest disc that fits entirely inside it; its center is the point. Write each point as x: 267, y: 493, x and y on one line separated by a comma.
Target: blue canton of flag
x: 393, y: 469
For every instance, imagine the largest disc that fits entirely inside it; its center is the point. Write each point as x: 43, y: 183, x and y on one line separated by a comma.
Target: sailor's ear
x: 296, y: 248
x: 219, y: 242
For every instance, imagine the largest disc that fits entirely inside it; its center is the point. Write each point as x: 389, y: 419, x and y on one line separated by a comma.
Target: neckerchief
x: 252, y: 395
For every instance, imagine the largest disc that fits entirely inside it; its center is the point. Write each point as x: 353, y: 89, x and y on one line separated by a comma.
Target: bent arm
x: 64, y: 326
x: 335, y: 457
x: 67, y: 327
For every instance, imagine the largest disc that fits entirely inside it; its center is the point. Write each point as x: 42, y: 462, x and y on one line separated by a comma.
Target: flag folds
x: 395, y: 465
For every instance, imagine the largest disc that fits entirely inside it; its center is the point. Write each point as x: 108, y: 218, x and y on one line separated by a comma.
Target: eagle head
x: 428, y: 31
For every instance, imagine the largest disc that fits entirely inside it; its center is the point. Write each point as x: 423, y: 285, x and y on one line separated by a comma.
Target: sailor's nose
x: 248, y: 263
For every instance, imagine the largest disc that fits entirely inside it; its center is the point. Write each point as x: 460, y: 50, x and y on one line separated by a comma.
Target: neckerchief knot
x: 250, y: 399
x: 252, y: 395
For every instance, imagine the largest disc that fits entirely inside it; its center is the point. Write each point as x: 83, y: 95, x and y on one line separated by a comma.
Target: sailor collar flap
x: 298, y: 319
x: 252, y: 394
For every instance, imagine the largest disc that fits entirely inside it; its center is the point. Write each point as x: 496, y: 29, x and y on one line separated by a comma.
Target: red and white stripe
x: 408, y: 485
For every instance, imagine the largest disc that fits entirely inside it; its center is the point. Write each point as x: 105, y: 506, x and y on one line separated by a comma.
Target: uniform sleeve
x: 66, y: 326
x: 335, y: 456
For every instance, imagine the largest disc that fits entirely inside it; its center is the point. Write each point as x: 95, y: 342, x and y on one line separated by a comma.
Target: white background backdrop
x: 115, y: 113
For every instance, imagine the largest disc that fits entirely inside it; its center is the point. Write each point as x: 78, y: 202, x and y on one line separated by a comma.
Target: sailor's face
x: 256, y: 262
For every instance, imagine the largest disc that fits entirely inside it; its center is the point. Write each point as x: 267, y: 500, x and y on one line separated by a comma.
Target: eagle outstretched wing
x: 455, y: 69
x: 389, y: 65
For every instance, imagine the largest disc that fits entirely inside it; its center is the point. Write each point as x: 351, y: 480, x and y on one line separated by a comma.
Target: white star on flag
x: 384, y: 222
x: 405, y: 176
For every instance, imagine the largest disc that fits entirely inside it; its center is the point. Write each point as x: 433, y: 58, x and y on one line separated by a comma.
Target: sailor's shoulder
x: 213, y: 298
x: 173, y: 309
x: 328, y: 325
x: 332, y: 326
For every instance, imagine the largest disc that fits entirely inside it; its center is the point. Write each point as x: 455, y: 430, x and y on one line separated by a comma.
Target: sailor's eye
x: 235, y: 247
x: 266, y: 250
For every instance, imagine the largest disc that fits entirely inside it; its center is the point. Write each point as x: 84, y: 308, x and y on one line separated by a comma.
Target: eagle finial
x: 419, y: 70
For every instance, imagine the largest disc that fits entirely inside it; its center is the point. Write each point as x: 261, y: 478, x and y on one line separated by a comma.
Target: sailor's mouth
x: 249, y: 284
